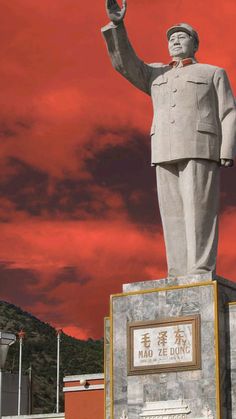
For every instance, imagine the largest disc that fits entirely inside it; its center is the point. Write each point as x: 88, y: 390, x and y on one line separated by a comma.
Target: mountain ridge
x: 39, y: 353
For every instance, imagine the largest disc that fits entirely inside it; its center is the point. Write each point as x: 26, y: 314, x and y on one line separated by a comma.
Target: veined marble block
x: 207, y: 387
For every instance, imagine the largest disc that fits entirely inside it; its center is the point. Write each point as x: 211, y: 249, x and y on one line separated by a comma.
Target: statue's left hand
x: 226, y: 162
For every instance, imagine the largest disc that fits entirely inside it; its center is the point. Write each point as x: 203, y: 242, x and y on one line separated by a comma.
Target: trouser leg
x: 188, y: 194
x: 172, y: 215
x: 199, y: 185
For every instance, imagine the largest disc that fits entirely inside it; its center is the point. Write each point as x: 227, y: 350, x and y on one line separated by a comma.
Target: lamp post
x: 21, y: 336
x: 6, y: 340
x: 59, y: 332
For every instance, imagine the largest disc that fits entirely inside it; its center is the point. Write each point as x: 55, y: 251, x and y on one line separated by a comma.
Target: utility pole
x: 59, y: 332
x: 21, y: 336
x: 30, y: 402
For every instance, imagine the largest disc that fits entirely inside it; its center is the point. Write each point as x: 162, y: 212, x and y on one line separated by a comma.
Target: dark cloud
x: 69, y: 275
x: 9, y: 128
x: 121, y: 170
x: 17, y: 283
x: 25, y: 187
x: 25, y: 288
x: 125, y: 168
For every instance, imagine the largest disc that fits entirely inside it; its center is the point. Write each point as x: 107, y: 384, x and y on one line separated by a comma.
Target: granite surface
x: 197, y: 388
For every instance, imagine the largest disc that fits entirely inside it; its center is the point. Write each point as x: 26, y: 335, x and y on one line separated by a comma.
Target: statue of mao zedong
x: 192, y: 134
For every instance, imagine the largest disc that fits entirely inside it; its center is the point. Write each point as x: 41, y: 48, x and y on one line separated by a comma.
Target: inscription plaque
x: 171, y: 344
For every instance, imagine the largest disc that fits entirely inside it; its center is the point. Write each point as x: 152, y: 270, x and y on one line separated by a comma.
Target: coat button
x: 173, y: 105
x: 172, y: 121
x: 174, y: 90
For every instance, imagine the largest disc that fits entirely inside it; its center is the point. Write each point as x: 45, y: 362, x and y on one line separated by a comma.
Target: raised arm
x: 121, y: 53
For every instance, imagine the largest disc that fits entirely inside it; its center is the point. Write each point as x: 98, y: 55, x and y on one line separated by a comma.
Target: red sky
x: 78, y: 207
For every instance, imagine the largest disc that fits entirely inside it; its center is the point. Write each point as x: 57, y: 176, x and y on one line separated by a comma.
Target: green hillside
x: 39, y: 352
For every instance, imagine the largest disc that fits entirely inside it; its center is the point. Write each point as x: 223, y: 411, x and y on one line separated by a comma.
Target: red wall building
x: 84, y: 396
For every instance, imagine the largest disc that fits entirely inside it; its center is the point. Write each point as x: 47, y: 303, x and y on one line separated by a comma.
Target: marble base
x: 210, y: 389
x: 180, y: 280
x: 165, y: 410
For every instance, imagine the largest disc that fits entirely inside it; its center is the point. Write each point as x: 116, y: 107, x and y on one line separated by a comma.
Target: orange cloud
x: 62, y: 105
x: 106, y: 254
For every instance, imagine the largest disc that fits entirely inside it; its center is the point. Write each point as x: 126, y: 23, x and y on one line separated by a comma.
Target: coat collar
x: 182, y: 63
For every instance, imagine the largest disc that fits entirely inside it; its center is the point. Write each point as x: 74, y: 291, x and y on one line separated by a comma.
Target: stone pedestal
x: 184, y: 335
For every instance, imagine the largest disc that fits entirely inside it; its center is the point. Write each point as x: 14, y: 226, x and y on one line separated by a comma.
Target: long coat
x: 194, y: 108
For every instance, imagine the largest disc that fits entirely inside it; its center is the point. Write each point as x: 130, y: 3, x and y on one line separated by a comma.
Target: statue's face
x: 181, y: 45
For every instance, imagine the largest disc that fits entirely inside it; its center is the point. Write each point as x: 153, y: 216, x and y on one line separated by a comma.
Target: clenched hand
x: 226, y: 162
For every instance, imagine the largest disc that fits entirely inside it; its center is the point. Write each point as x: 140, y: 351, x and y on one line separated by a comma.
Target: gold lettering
x: 146, y: 341
x: 140, y: 354
x: 180, y: 350
x: 162, y: 338
x: 145, y: 354
x: 165, y: 351
x: 180, y: 338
